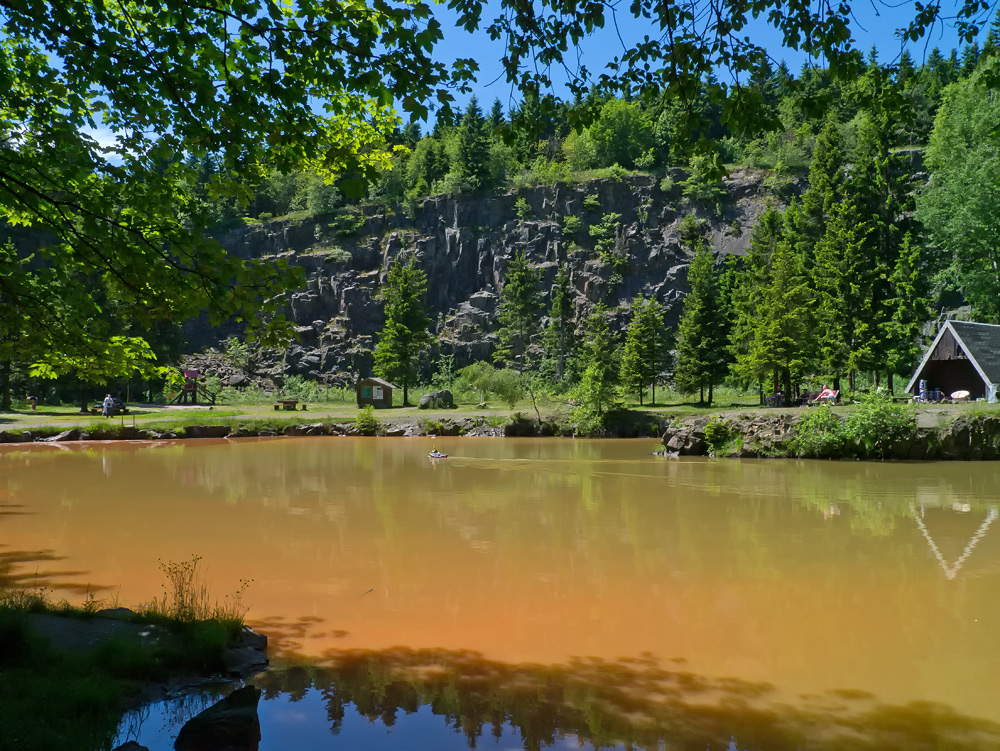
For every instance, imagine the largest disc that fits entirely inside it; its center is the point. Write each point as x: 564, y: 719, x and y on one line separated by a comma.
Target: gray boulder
x: 229, y: 725
x: 437, y: 400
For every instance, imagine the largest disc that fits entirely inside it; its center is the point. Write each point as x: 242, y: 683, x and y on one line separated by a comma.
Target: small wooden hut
x: 374, y: 391
x: 964, y: 356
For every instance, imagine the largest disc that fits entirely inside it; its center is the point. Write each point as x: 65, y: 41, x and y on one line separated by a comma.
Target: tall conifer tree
x: 645, y: 347
x: 702, y: 356
x: 405, y: 334
x: 520, y: 305
x: 560, y: 335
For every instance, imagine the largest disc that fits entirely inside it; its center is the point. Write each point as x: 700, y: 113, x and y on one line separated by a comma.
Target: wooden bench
x: 289, y: 405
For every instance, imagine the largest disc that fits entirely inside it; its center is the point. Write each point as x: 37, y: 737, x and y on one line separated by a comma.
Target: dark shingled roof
x: 982, y: 344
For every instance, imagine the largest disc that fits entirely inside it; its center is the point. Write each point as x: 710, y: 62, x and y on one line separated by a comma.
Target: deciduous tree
x: 961, y: 205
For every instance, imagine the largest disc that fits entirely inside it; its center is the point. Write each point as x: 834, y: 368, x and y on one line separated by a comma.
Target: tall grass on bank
x: 59, y: 700
x: 186, y: 599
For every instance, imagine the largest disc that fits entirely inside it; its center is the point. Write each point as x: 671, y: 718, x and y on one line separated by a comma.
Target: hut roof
x: 979, y: 341
x: 378, y: 381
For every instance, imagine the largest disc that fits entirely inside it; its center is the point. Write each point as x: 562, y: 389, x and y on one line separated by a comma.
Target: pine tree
x: 826, y: 178
x: 560, y: 335
x: 910, y: 304
x: 841, y: 281
x: 747, y: 281
x: 473, y: 148
x: 520, y: 305
x: 701, y: 337
x: 598, y: 385
x: 496, y: 118
x: 783, y: 344
x: 879, y: 219
x: 645, y: 347
x: 405, y: 334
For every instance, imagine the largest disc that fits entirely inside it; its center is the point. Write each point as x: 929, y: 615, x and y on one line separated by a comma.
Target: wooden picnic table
x: 289, y: 405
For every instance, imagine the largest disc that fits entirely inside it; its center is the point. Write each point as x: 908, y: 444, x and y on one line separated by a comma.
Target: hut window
x: 366, y: 392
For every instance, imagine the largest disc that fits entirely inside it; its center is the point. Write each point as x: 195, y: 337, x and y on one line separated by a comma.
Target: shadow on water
x: 627, y: 703
x: 21, y: 569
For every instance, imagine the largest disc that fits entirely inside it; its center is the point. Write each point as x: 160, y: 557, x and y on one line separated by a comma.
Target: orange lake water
x: 803, y: 584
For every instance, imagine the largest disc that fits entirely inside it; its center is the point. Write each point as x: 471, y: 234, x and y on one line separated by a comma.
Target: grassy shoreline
x: 67, y: 673
x: 150, y: 422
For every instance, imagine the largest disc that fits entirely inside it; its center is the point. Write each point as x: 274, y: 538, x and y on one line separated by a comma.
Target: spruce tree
x: 598, y: 384
x: 473, y: 147
x: 783, y: 342
x: 645, y: 347
x: 747, y: 281
x: 560, y: 335
x: 701, y: 335
x: 826, y: 178
x: 520, y: 305
x: 405, y: 334
x: 910, y: 305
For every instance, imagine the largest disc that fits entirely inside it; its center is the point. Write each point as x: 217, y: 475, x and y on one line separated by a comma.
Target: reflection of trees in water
x: 638, y: 703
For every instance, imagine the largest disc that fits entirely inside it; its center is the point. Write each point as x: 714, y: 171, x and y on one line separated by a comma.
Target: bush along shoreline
x: 877, y: 430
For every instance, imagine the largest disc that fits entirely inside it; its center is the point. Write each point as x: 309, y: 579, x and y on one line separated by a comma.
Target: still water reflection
x: 538, y: 590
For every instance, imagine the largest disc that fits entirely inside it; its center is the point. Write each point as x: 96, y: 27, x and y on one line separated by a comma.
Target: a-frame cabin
x: 964, y: 356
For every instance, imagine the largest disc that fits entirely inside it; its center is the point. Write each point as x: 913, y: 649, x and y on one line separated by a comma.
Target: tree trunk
x: 83, y: 399
x: 889, y: 382
x: 653, y: 403
x: 709, y: 394
x: 701, y: 394
x: 5, y: 400
x: 641, y: 389
x: 406, y: 394
x: 760, y: 392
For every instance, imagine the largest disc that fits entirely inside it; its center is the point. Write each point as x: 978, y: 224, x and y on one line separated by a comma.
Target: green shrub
x: 522, y: 208
x: 366, y: 422
x: 717, y: 436
x: 666, y: 184
x: 430, y: 427
x: 819, y: 434
x: 542, y: 172
x: 878, y: 424
x: 571, y: 225
x: 592, y: 203
x: 336, y: 254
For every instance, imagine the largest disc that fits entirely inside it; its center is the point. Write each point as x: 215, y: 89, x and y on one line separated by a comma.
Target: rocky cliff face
x: 464, y: 245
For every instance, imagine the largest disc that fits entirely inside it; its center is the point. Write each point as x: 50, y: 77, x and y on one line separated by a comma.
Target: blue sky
x: 875, y: 23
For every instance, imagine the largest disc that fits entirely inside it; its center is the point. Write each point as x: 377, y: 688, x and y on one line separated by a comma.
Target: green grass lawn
x: 161, y: 418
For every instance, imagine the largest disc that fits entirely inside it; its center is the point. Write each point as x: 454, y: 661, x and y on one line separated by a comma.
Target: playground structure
x: 192, y: 389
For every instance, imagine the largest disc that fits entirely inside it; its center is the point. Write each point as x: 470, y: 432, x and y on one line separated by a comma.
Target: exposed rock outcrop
x: 464, y: 244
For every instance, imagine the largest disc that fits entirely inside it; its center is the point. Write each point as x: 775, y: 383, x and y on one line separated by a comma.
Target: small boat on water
x: 435, y: 454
